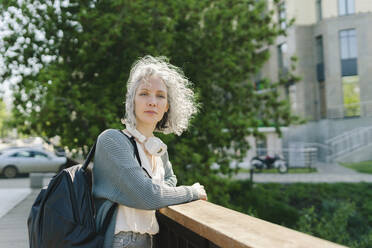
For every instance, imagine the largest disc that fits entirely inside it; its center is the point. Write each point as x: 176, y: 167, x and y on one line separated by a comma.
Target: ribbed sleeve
x: 118, y: 177
x: 170, y: 178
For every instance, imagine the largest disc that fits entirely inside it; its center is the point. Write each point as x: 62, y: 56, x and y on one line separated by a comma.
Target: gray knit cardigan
x: 118, y: 177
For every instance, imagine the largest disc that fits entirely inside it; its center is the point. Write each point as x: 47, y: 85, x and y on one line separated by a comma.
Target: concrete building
x: 332, y: 40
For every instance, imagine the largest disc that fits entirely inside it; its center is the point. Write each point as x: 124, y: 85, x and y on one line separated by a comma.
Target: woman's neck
x: 146, y: 130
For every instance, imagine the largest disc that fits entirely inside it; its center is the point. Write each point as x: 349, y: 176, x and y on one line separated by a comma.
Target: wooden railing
x: 204, y: 224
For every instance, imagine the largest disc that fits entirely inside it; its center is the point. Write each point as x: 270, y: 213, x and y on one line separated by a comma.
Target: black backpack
x: 63, y: 214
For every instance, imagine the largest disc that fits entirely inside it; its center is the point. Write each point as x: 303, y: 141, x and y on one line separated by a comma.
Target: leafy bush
x: 340, y: 212
x: 338, y: 222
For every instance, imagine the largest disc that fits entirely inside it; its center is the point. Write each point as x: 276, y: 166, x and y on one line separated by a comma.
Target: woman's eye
x: 143, y: 94
x: 161, y: 96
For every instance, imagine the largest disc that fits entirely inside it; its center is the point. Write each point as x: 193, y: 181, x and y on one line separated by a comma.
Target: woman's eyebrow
x: 146, y: 89
x: 158, y: 91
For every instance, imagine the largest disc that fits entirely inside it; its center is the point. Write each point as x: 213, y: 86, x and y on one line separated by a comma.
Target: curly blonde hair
x: 181, y: 98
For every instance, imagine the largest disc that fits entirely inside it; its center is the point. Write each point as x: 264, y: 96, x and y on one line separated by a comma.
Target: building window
x: 280, y: 56
x: 348, y: 52
x: 261, y: 146
x: 346, y: 7
x: 282, y: 61
x: 321, y: 76
x: 258, y: 81
x: 351, y: 90
x: 349, y: 72
x: 319, y: 49
x: 319, y: 58
x: 348, y: 44
x: 282, y: 17
x: 322, y: 100
x: 319, y: 10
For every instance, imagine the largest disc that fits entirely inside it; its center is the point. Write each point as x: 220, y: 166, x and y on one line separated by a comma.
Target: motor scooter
x: 269, y: 162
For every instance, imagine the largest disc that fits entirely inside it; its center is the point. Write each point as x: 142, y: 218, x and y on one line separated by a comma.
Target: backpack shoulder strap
x: 93, y: 150
x: 89, y: 157
x: 131, y: 139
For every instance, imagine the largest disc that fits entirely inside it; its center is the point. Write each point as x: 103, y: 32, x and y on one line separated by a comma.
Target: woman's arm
x: 170, y: 178
x: 119, y: 178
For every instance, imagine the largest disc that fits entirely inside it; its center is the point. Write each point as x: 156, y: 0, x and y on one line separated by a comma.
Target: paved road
x: 327, y: 173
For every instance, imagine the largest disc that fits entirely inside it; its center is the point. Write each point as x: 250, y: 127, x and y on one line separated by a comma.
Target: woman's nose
x: 152, y: 101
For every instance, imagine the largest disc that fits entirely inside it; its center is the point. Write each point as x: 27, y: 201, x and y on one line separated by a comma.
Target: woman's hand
x: 202, y: 195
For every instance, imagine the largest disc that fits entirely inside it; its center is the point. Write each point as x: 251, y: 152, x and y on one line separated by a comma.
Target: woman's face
x: 150, y: 102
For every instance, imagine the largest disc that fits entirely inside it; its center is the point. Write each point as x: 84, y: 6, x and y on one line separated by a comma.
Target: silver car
x: 26, y: 160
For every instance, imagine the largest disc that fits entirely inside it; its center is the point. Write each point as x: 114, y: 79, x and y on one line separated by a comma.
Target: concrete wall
x: 320, y: 131
x: 329, y: 8
x: 363, y: 6
x: 299, y: 44
x: 364, y: 39
x: 362, y: 154
x: 305, y: 10
x: 330, y: 29
x: 302, y: 10
x: 329, y: 32
x: 306, y: 69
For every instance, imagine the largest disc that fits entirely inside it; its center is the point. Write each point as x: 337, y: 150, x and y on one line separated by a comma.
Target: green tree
x: 80, y: 53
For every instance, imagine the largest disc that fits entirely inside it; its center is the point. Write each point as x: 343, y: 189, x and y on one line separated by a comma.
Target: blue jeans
x: 132, y: 240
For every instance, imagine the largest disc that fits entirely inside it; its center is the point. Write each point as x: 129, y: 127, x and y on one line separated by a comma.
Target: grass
x: 292, y: 170
x: 362, y: 167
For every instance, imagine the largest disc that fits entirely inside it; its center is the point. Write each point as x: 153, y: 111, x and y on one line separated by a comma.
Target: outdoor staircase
x: 348, y: 142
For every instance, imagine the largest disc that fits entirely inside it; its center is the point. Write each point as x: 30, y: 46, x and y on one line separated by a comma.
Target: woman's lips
x: 150, y: 112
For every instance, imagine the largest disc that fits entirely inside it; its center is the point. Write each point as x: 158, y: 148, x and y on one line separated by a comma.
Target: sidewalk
x: 15, y: 205
x: 13, y: 226
x: 11, y: 197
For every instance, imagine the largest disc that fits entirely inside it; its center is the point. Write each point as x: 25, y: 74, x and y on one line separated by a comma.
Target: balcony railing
x: 204, y: 224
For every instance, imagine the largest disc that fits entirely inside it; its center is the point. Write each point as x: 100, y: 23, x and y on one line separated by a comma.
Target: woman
x: 158, y: 99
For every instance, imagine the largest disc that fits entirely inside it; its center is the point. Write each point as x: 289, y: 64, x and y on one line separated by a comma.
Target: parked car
x: 27, y: 159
